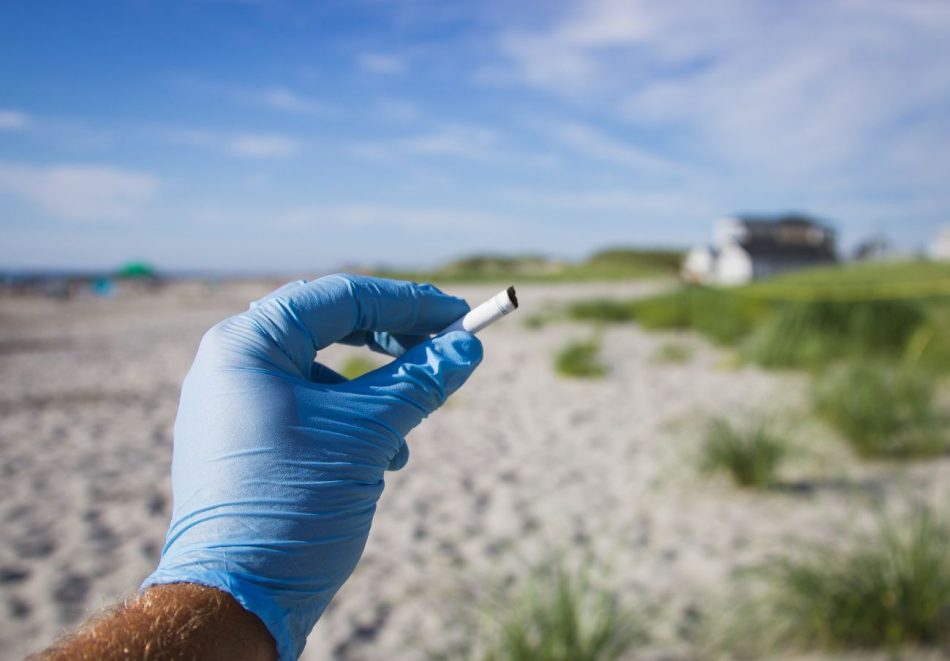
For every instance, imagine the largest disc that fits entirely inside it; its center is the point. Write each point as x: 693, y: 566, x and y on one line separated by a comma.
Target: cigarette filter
x: 486, y: 314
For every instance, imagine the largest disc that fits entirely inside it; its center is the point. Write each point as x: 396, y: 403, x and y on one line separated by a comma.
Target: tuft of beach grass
x: 750, y: 455
x: 580, y: 359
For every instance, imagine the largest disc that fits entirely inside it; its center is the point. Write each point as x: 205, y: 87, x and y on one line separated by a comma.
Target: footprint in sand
x: 18, y: 608
x: 70, y: 593
x: 11, y: 574
x: 34, y: 542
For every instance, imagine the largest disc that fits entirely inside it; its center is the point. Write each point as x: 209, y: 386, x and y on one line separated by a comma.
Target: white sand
x: 520, y: 464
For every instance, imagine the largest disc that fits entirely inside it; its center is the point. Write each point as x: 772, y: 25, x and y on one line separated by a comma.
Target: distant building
x: 747, y: 248
x: 941, y: 245
x: 874, y: 248
x: 699, y: 267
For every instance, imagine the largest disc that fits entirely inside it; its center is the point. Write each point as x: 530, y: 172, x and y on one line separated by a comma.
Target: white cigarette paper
x: 485, y: 314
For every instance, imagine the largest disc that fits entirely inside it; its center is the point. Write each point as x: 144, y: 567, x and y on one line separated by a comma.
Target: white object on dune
x: 485, y: 314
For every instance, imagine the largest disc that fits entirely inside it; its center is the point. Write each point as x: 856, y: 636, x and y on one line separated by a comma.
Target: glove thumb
x: 419, y: 381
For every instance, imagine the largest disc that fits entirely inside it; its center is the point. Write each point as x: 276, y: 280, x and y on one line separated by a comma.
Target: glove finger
x: 280, y: 291
x: 390, y: 344
x: 402, y: 456
x: 422, y: 379
x: 320, y: 373
x: 314, y: 315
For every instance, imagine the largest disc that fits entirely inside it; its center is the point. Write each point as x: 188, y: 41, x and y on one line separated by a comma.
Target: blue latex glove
x: 278, y: 460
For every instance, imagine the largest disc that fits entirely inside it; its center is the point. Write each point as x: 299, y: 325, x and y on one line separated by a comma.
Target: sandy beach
x: 520, y: 465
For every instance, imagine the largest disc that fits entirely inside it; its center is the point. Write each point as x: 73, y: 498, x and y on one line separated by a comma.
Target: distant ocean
x: 19, y: 274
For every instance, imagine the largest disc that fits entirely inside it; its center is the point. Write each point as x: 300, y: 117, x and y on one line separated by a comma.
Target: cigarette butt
x: 502, y: 303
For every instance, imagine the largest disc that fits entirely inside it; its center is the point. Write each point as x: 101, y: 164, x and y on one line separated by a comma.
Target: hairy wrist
x: 179, y: 620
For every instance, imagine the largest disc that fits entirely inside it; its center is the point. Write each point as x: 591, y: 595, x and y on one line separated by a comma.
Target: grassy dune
x: 890, y: 311
x: 612, y: 264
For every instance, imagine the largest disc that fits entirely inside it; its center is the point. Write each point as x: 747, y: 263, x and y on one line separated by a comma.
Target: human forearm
x: 176, y: 621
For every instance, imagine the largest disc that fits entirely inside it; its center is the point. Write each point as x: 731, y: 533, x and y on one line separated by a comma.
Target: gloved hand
x: 278, y: 461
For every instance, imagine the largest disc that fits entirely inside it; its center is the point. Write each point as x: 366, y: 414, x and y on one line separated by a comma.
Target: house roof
x: 793, y: 237
x: 785, y: 220
x: 769, y: 248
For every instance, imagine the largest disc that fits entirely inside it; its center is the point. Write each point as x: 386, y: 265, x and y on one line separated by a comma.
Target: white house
x: 699, y: 267
x: 941, y: 245
x: 747, y: 248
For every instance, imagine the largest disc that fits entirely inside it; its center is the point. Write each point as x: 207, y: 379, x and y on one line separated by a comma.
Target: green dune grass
x: 888, y: 311
x: 883, y: 411
x: 749, y: 455
x: 610, y: 264
x: 580, y: 359
x: 559, y: 615
x: 886, y: 591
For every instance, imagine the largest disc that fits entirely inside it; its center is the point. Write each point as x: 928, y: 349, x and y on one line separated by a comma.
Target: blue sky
x: 284, y: 135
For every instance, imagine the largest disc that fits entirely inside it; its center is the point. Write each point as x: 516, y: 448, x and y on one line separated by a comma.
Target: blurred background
x: 718, y: 426
x: 216, y: 135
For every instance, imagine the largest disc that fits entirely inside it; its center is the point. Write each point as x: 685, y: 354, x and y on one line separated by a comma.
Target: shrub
x: 603, y: 309
x: 815, y: 332
x: 888, y: 590
x: 670, y: 311
x: 580, y: 359
x: 722, y: 316
x: 725, y: 317
x: 535, y: 321
x: 493, y: 265
x: 750, y: 456
x: 882, y: 411
x: 619, y: 258
x: 560, y: 616
x: 357, y: 366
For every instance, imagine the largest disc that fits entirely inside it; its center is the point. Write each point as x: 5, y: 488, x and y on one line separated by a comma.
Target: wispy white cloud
x: 785, y: 89
x: 384, y: 64
x: 81, y: 192
x: 818, y: 93
x: 242, y: 145
x: 598, y: 145
x: 191, y: 137
x: 282, y: 98
x: 14, y: 120
x: 568, y: 55
x: 634, y: 205
x: 470, y: 142
x: 415, y: 219
x: 466, y: 142
x: 278, y: 98
x: 262, y: 145
x: 397, y: 110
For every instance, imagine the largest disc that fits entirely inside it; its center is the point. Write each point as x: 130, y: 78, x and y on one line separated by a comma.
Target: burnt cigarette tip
x: 512, y: 297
